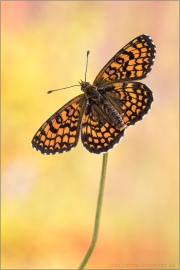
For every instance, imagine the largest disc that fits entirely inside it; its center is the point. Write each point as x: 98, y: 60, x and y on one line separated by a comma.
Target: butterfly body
x: 94, y: 97
x: 101, y: 114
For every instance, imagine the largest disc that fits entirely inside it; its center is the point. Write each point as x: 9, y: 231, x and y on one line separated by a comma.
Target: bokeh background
x: 49, y: 202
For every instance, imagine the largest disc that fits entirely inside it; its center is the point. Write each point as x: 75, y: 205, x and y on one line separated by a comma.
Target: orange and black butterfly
x: 101, y: 114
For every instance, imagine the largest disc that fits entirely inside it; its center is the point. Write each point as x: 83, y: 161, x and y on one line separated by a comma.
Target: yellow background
x: 49, y: 202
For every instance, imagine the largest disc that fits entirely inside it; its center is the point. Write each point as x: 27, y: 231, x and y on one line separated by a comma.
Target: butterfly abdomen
x: 111, y: 112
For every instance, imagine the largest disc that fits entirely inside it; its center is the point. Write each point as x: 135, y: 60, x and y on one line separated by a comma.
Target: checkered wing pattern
x: 132, y: 100
x: 134, y: 61
x: 61, y: 131
x: 99, y: 133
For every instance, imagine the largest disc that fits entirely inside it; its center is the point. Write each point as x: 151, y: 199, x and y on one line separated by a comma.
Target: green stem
x: 98, y: 212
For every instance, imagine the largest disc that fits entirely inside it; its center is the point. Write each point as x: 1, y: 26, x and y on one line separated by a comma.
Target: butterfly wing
x: 132, y: 100
x: 134, y: 61
x: 99, y: 133
x: 61, y: 131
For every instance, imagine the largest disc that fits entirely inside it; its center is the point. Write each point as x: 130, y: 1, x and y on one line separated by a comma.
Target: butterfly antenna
x: 50, y: 91
x: 88, y: 52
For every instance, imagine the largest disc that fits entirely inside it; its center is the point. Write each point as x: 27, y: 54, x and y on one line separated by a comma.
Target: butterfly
x: 106, y: 108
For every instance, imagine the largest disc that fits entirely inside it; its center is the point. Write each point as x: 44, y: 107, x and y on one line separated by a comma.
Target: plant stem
x: 98, y: 212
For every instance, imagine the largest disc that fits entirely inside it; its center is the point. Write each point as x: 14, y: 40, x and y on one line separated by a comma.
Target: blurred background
x: 49, y: 202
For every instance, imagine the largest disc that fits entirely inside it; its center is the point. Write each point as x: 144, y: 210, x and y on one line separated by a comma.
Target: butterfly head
x: 83, y: 85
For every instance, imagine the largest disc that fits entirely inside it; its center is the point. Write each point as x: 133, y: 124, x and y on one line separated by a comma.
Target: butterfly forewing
x: 132, y: 62
x: 61, y: 131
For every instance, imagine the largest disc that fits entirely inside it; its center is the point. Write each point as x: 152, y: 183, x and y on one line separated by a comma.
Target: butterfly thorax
x: 102, y: 104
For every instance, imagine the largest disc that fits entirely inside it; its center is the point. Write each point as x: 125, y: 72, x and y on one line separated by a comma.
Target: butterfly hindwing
x: 132, y: 100
x: 99, y: 133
